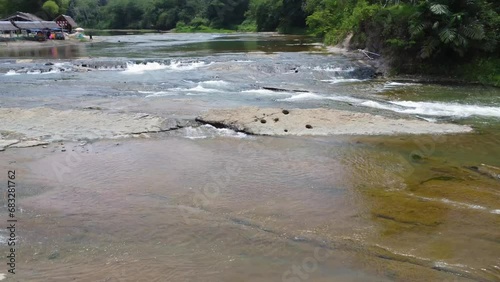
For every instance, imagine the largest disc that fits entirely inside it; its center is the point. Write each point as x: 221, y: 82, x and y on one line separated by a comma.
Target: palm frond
x: 416, y: 29
x: 447, y: 35
x: 428, y: 48
x: 474, y: 31
x: 439, y: 9
x: 461, y: 42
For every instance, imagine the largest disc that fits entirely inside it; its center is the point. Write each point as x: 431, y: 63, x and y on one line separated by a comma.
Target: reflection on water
x: 155, y: 45
x: 69, y: 51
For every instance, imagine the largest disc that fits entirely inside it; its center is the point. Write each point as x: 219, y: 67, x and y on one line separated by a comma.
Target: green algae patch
x: 397, y: 211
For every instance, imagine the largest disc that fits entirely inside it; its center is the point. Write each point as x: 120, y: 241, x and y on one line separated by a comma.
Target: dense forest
x: 415, y: 34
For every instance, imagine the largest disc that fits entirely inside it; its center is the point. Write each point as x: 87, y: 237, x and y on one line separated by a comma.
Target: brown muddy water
x: 198, y: 205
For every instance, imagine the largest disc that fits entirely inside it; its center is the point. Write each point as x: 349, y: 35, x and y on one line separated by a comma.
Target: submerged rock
x: 29, y: 143
x: 364, y: 73
x: 487, y: 170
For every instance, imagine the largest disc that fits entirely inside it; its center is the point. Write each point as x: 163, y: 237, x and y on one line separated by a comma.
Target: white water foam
x: 200, y: 88
x: 34, y: 72
x: 209, y: 131
x: 457, y: 204
x: 378, y: 105
x: 265, y: 92
x: 52, y: 71
x: 303, y: 97
x: 133, y: 68
x: 157, y: 93
x: 390, y: 84
x: 342, y: 80
x: 115, y: 68
x: 215, y: 83
x: 313, y: 96
x: 180, y: 66
x: 435, y: 108
x: 333, y: 69
x: 12, y: 72
x: 141, y: 68
x: 194, y: 91
x: 448, y: 109
x: 345, y: 99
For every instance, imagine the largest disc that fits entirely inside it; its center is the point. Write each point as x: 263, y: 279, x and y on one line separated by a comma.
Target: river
x: 207, y: 204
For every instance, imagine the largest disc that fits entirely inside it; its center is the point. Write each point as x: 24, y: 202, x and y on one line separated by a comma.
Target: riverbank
x: 483, y: 72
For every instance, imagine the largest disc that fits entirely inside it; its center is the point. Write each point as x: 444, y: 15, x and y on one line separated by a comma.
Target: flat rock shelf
x: 38, y: 126
x: 273, y: 121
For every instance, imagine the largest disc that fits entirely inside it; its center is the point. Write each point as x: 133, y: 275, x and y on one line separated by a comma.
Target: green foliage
x: 334, y: 19
x: 51, y: 8
x: 246, y: 15
x: 248, y: 25
x: 267, y: 14
x: 456, y: 27
x: 485, y: 70
x: 225, y: 13
x: 415, y: 35
x: 181, y: 27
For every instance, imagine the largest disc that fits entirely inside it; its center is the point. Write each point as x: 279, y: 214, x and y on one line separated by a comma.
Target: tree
x: 293, y: 15
x: 457, y: 26
x: 225, y: 13
x: 268, y: 14
x: 50, y: 8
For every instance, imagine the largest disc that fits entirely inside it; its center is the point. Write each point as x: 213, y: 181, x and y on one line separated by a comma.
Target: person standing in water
x: 90, y: 36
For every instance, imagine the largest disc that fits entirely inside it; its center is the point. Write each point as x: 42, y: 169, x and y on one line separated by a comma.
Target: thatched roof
x: 20, y: 16
x: 7, y: 26
x: 69, y: 19
x: 37, y: 25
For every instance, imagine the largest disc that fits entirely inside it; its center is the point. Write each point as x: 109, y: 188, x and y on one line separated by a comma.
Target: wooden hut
x: 7, y: 27
x: 39, y: 25
x: 22, y: 17
x: 66, y: 22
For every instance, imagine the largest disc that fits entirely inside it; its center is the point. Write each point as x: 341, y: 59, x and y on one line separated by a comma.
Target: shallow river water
x: 208, y: 204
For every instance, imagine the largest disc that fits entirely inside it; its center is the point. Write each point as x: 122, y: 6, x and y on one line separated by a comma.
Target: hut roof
x: 7, y: 26
x: 69, y: 19
x: 37, y: 25
x: 20, y: 16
